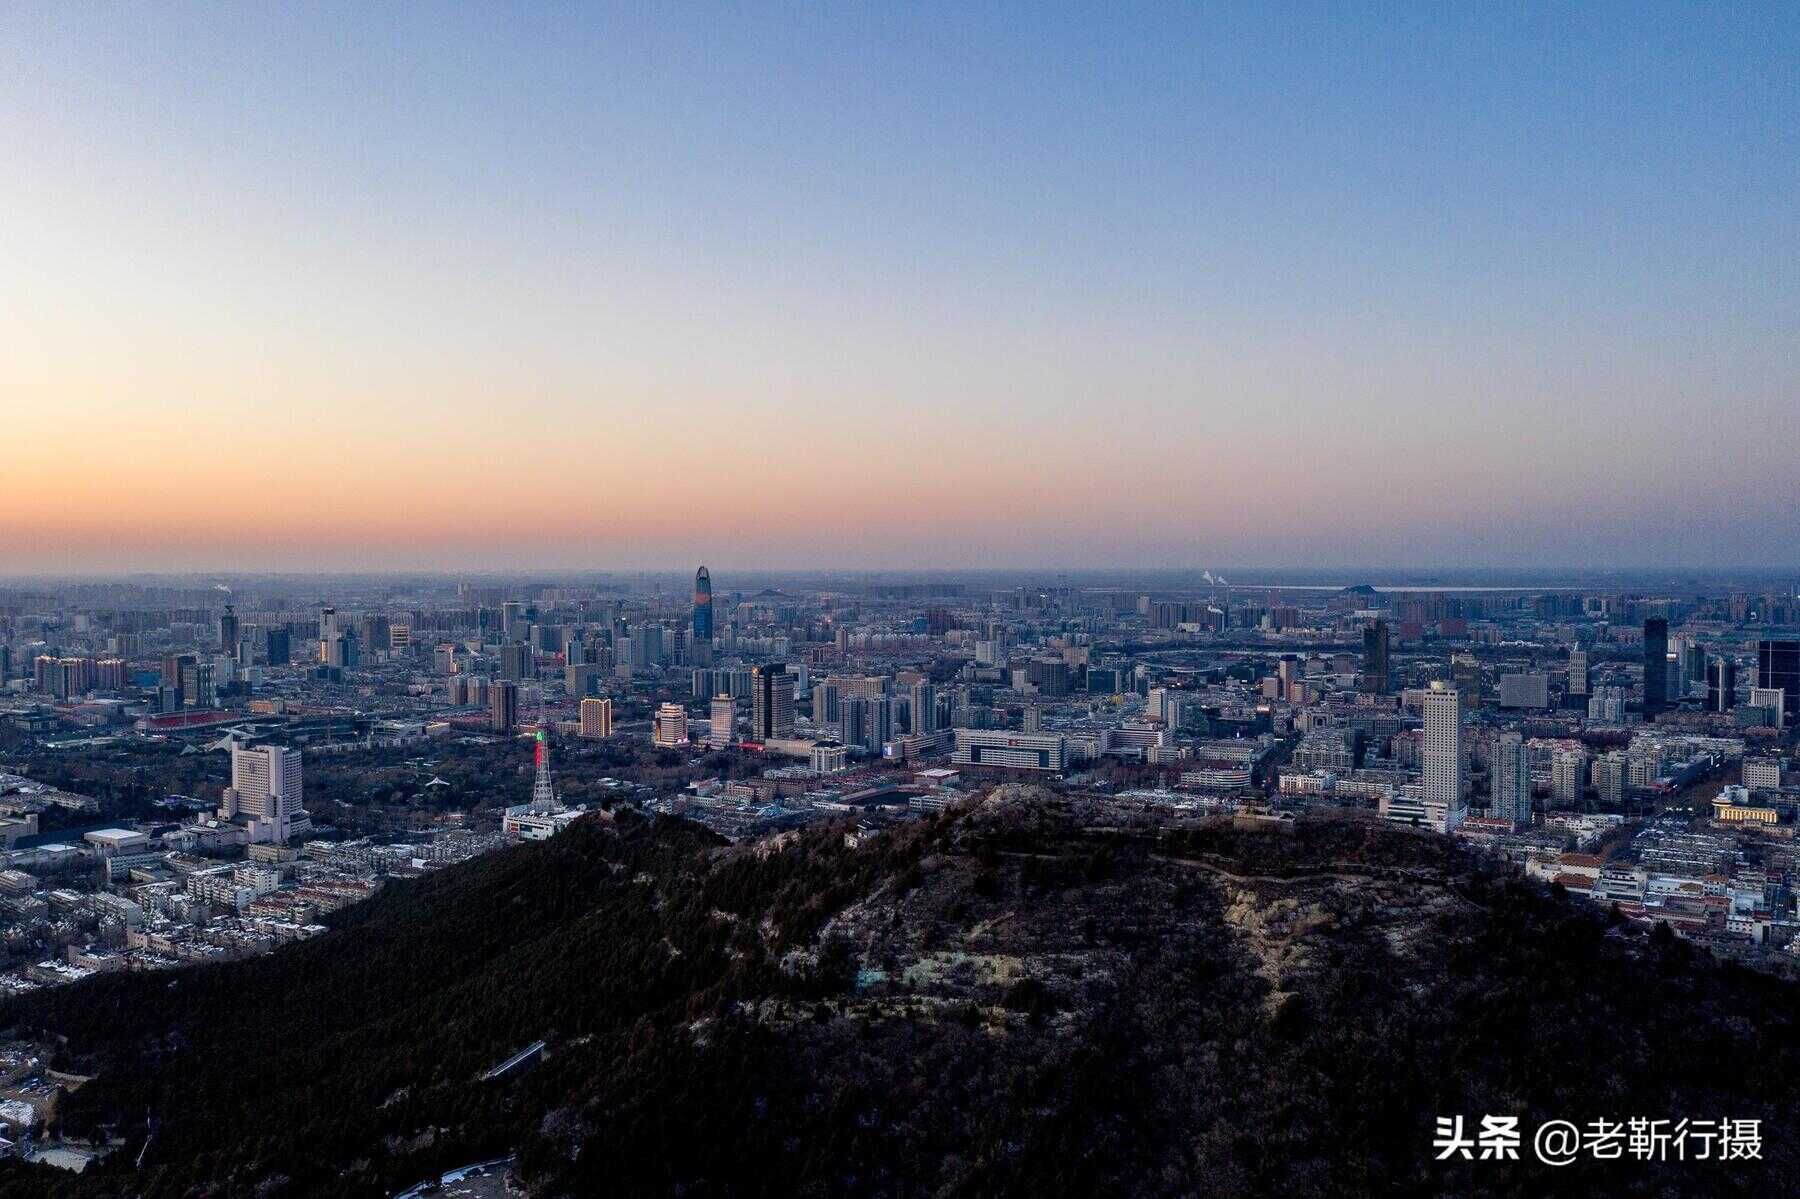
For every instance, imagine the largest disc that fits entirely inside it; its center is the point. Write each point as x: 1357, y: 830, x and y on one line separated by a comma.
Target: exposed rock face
x: 1035, y: 996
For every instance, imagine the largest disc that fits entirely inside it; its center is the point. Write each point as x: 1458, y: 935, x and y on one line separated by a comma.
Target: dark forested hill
x: 1017, y: 999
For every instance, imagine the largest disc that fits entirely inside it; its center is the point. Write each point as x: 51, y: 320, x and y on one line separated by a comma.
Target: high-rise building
x: 1721, y: 685
x: 596, y: 718
x: 372, y: 633
x: 1611, y: 770
x: 1694, y: 658
x: 1607, y: 705
x: 112, y: 674
x: 724, y: 719
x: 868, y: 723
x: 1568, y: 776
x: 700, y: 650
x: 1656, y: 666
x: 515, y: 661
x: 1524, y: 691
x: 512, y: 621
x: 503, y: 706
x: 1772, y: 700
x: 1442, y: 757
x: 669, y: 726
x: 228, y: 631
x: 771, y: 703
x: 1778, y: 669
x: 1511, y: 774
x: 644, y: 646
x: 923, y: 706
x: 826, y: 703
x: 1578, y: 672
x: 1375, y: 657
x: 1466, y: 680
x: 266, y: 792
x: 339, y: 649
x: 278, y: 646
x: 197, y: 688
x: 1288, y: 672
x: 172, y: 665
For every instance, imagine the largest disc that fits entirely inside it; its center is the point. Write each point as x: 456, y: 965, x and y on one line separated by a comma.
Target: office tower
x: 515, y: 661
x: 339, y: 649
x: 1778, y: 669
x: 644, y: 646
x: 700, y: 649
x: 1033, y: 721
x: 328, y: 624
x: 826, y: 704
x: 669, y: 726
x: 266, y: 790
x: 1048, y: 676
x: 172, y: 665
x: 1288, y: 672
x: 771, y: 703
x: 1656, y: 666
x: 1511, y: 773
x: 400, y: 638
x: 596, y: 718
x: 1375, y: 657
x: 512, y: 620
x: 1443, y: 753
x: 372, y: 632
x: 1568, y: 776
x: 923, y: 708
x: 278, y: 647
x: 1721, y: 685
x: 228, y: 631
x: 724, y: 721
x: 503, y: 706
x: 1696, y: 667
x: 1465, y: 678
x: 1578, y: 672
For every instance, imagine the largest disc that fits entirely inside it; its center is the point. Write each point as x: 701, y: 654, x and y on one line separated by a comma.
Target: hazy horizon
x: 451, y: 287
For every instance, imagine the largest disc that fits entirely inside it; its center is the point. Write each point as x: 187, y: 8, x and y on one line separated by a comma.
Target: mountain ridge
x: 1032, y: 994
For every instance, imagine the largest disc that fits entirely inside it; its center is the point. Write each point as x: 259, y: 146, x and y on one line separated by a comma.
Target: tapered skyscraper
x: 701, y: 650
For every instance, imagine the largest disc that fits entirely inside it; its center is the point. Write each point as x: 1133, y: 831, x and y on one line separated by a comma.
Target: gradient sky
x: 886, y: 286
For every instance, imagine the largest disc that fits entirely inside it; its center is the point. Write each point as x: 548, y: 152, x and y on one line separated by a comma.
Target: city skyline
x: 331, y: 289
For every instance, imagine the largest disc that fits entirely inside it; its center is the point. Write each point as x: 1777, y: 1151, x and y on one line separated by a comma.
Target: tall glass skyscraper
x: 1656, y: 666
x: 703, y: 619
x: 1778, y: 666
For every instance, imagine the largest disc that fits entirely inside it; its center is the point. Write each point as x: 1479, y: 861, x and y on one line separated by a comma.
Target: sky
x: 890, y: 286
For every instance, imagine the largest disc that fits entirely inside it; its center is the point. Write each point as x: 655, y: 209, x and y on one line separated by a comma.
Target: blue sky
x: 1115, y: 285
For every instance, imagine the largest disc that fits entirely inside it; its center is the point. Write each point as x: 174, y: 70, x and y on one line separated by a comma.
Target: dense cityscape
x: 978, y: 601
x: 195, y: 771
